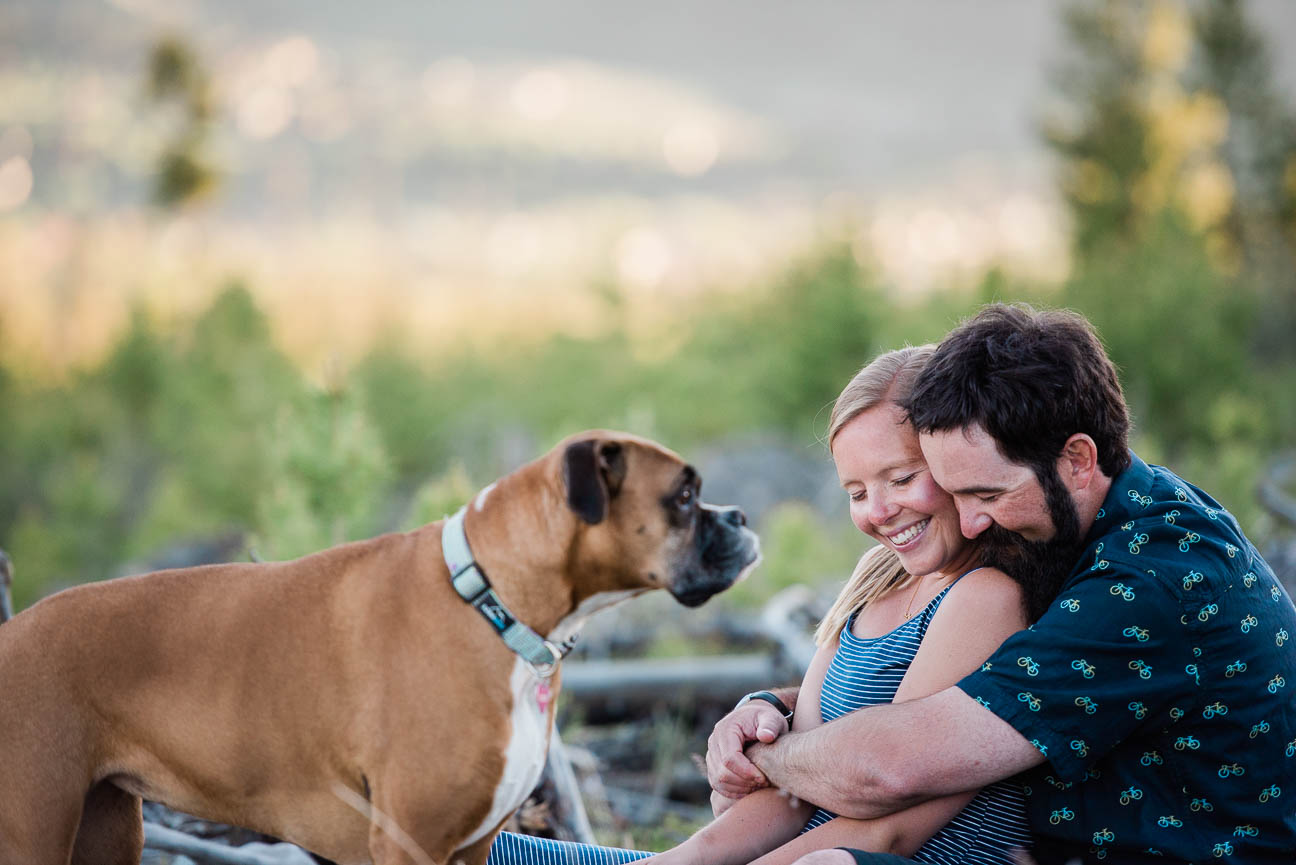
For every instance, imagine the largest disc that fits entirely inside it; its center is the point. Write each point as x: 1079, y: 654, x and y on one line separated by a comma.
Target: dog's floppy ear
x: 594, y: 471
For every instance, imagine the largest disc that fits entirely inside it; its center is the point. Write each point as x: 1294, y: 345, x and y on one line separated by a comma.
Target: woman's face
x: 893, y: 497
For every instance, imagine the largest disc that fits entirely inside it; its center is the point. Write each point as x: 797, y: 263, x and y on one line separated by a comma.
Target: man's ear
x: 594, y: 471
x: 1078, y: 463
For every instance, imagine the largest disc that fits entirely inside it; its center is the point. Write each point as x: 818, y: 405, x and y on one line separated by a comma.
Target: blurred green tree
x: 1258, y: 232
x: 327, y: 480
x: 175, y: 80
x: 225, y: 389
x: 1174, y: 155
x: 1100, y: 134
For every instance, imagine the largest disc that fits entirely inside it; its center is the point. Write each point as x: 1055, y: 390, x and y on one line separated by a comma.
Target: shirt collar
x: 1130, y: 492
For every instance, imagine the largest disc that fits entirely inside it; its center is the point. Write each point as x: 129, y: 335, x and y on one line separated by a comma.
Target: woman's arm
x: 978, y: 614
x: 883, y: 835
x: 756, y: 824
x: 746, y: 828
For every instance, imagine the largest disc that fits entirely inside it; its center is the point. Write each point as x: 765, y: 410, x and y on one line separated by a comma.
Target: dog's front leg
x: 404, y: 835
x: 476, y: 854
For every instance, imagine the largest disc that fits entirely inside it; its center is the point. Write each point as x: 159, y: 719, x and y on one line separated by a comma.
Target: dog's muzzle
x: 725, y: 551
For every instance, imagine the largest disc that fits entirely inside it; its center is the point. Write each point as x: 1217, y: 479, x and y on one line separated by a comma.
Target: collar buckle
x: 470, y: 583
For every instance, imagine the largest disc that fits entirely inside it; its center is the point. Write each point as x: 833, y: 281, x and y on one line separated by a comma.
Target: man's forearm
x: 882, y: 759
x: 810, y: 766
x: 849, y: 766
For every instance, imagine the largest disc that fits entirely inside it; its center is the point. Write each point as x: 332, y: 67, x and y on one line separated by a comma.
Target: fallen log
x: 647, y: 680
x: 785, y: 620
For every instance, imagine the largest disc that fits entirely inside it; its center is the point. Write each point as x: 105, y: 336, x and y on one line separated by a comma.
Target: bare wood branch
x: 651, y: 679
x: 780, y: 622
x: 571, y: 805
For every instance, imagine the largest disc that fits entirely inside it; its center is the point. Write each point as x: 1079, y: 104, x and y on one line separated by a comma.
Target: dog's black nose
x: 733, y: 516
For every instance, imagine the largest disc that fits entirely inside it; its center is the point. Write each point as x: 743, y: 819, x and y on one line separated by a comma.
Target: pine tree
x: 1260, y: 152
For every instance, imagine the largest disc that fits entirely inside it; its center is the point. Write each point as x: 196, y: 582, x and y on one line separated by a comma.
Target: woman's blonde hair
x: 889, y: 378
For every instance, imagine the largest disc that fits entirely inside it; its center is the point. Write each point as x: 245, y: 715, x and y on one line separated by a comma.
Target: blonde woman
x: 916, y: 616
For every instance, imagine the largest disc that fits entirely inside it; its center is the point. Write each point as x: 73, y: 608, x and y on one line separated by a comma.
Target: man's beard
x: 1039, y: 567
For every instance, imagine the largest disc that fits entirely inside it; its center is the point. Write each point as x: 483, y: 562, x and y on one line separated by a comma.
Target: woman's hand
x: 728, y: 769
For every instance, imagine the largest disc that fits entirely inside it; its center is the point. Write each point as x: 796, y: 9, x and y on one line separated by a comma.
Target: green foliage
x: 1195, y: 299
x: 440, y: 497
x: 227, y: 385
x: 1261, y: 156
x: 1178, y: 331
x: 213, y: 430
x: 175, y: 79
x: 73, y: 529
x: 183, y: 175
x: 1102, y: 140
x: 409, y: 410
x: 775, y: 357
x: 327, y: 473
x: 799, y: 548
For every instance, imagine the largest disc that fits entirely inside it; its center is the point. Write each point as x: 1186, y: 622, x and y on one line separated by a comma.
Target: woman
x: 890, y: 635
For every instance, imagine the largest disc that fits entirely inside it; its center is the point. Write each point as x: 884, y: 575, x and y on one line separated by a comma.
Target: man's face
x: 987, y: 489
x: 1027, y: 521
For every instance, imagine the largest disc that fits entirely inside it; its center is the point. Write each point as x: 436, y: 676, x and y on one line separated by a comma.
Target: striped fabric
x: 512, y: 849
x: 862, y: 673
x: 866, y: 672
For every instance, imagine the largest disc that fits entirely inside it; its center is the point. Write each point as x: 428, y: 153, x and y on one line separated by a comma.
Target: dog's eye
x: 685, y: 498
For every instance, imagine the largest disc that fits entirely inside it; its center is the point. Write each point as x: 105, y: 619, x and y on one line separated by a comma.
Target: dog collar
x: 470, y: 583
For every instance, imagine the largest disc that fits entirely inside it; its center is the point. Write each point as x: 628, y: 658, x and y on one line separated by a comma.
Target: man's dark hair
x: 1031, y: 379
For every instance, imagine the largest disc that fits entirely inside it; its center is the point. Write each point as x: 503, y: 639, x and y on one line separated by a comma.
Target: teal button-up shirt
x: 1161, y: 688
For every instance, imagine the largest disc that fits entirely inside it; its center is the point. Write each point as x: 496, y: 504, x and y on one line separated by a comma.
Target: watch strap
x: 768, y: 697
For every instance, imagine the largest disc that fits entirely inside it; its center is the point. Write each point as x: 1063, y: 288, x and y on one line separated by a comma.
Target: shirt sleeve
x: 1114, y: 649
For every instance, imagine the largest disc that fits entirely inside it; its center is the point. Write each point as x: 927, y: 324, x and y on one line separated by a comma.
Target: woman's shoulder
x: 982, y: 592
x: 987, y: 578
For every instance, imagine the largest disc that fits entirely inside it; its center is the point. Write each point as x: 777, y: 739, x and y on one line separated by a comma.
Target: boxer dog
x: 370, y: 703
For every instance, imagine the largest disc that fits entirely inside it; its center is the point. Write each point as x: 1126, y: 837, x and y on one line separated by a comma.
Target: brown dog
x: 349, y: 701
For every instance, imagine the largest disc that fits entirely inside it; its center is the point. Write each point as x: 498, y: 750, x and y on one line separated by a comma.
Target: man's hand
x: 729, y: 771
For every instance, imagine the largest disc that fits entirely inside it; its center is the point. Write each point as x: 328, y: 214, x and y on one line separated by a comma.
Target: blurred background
x: 275, y: 275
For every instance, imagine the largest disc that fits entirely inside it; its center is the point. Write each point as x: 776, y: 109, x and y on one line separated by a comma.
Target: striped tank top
x: 866, y: 672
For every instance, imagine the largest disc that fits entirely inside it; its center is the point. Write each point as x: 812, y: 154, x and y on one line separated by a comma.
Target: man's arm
x: 887, y: 758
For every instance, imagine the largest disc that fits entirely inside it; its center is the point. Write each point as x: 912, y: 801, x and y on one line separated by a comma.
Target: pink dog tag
x: 543, y: 695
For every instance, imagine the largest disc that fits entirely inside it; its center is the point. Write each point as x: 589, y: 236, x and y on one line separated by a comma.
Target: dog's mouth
x: 724, y: 557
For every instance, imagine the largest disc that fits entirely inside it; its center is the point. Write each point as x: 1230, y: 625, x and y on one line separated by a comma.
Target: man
x: 1152, y: 707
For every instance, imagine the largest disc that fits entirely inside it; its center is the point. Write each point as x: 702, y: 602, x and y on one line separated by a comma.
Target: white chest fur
x: 527, y: 749
x: 528, y: 745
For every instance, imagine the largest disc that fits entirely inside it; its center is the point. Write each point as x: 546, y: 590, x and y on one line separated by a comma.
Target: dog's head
x: 643, y: 524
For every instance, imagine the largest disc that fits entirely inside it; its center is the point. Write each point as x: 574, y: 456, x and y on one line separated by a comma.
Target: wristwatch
x: 768, y: 697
